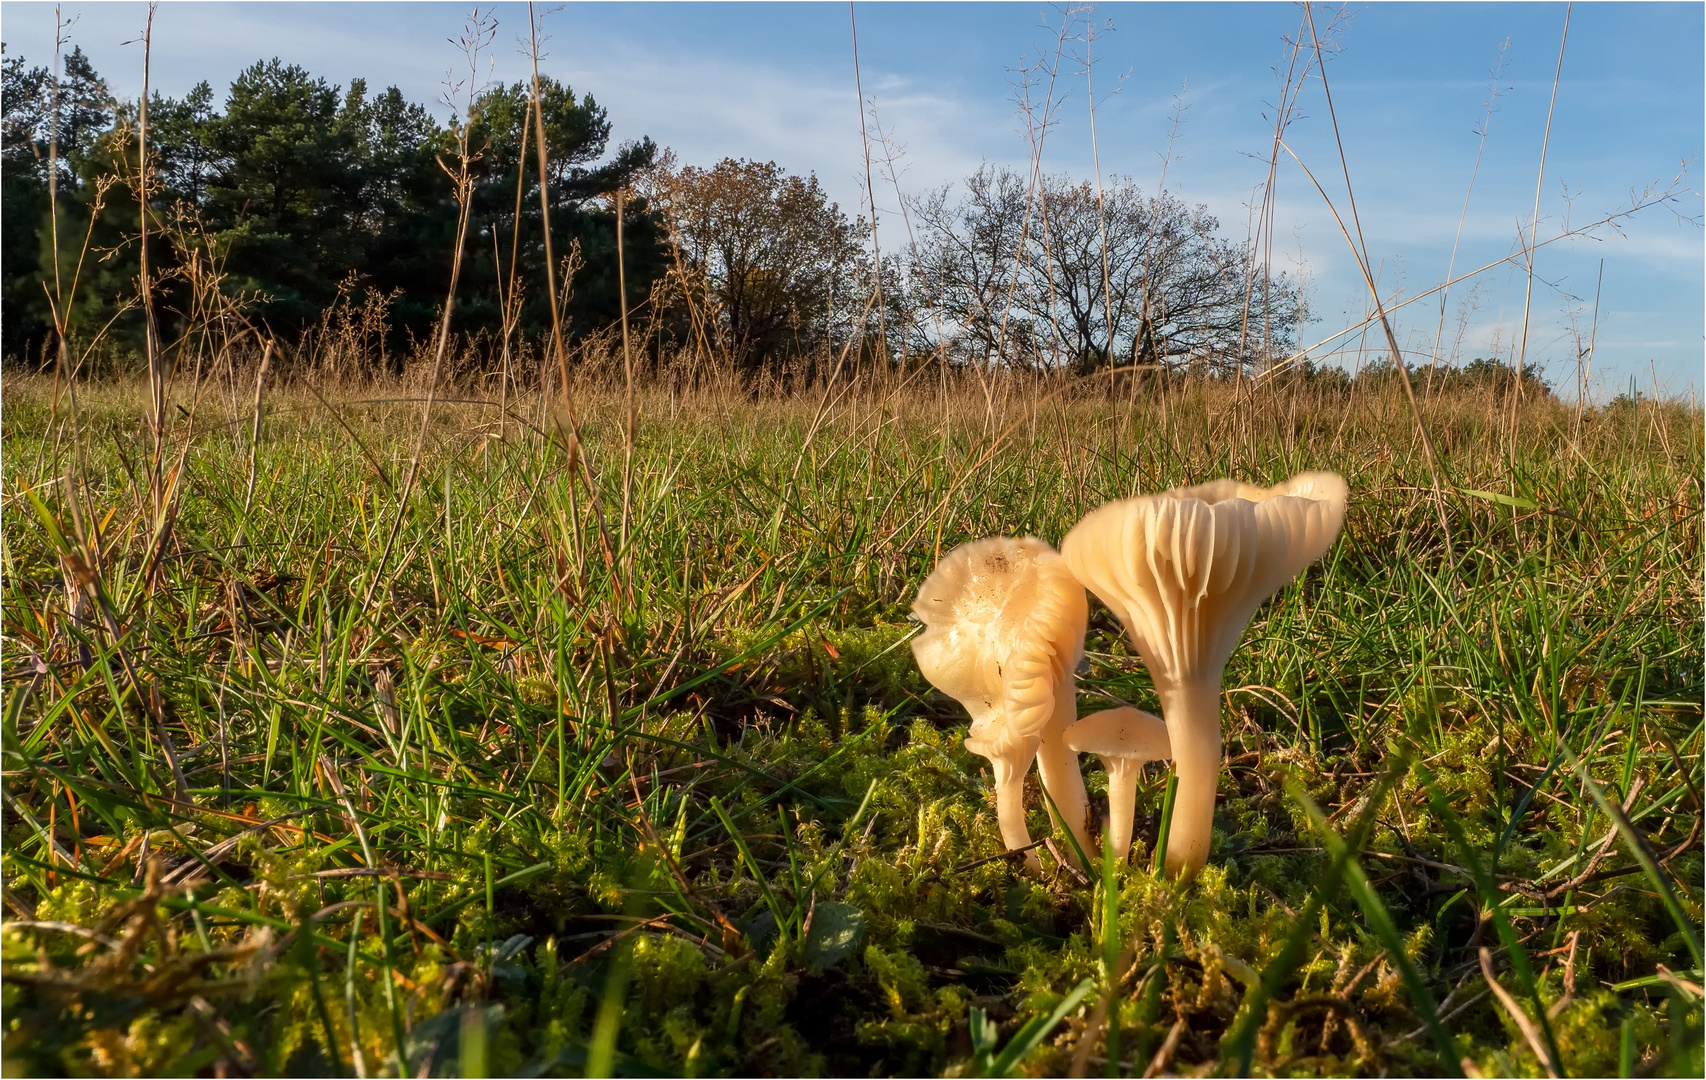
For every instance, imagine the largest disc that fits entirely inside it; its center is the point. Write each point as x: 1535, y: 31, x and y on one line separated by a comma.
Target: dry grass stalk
x: 478, y: 33
x: 509, y: 296
x: 629, y: 419
x: 576, y: 449
x: 1101, y: 208
x: 891, y: 173
x: 1360, y: 250
x: 157, y: 388
x: 1530, y: 1034
x: 1520, y: 357
x: 1485, y: 127
x: 1037, y: 126
x: 254, y: 442
x: 1289, y: 89
x: 1583, y: 371
x: 871, y: 197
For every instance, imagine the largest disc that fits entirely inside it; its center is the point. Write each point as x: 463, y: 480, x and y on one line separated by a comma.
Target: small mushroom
x: 1003, y: 633
x: 1124, y: 738
x: 1184, y: 571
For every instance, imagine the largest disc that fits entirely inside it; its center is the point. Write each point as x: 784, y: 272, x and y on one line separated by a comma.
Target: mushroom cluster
x: 1183, y: 571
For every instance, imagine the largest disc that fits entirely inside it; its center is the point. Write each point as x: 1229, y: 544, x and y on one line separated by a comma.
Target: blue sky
x: 775, y: 81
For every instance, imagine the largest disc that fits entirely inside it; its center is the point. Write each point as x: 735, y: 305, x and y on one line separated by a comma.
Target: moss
x: 917, y: 1019
x: 668, y: 973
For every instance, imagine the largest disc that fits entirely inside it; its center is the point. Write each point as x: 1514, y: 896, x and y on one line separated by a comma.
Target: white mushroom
x: 1003, y: 632
x: 1184, y: 571
x: 1124, y: 738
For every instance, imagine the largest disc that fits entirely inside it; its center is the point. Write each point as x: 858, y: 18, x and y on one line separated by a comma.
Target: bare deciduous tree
x: 1174, y: 292
x: 966, y: 258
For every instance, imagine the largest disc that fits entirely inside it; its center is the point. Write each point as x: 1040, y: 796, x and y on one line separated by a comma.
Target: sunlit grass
x: 489, y: 791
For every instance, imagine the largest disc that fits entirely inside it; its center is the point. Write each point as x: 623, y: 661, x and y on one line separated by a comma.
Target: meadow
x: 360, y: 729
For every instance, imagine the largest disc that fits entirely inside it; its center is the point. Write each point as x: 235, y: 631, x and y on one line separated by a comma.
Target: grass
x: 551, y: 804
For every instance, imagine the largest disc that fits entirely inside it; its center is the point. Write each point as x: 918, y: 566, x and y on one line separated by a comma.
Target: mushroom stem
x: 1191, y: 708
x: 1123, y: 773
x: 1057, y: 764
x: 1010, y: 770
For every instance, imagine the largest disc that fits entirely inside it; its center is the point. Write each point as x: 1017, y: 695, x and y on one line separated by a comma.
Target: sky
x: 1441, y: 185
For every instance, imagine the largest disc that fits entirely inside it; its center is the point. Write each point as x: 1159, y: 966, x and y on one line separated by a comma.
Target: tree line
x: 304, y: 198
x: 300, y: 192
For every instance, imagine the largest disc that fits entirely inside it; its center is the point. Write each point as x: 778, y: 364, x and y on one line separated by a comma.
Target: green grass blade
x: 1380, y: 920
x: 1035, y: 1031
x: 1239, y: 1044
x: 1492, y: 901
x: 1111, y: 954
x: 1637, y: 846
x: 1166, y: 820
x: 775, y: 905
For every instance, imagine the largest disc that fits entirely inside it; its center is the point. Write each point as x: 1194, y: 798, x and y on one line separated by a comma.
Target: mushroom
x: 1003, y: 633
x: 1124, y: 738
x: 1184, y: 571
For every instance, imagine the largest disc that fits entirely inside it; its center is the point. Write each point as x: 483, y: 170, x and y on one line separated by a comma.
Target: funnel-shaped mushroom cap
x: 1184, y: 570
x: 1003, y: 630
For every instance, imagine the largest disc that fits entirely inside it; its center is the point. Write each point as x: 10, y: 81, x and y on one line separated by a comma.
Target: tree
x: 85, y: 107
x: 1091, y: 254
x: 577, y: 131
x: 1067, y: 274
x: 403, y: 212
x: 303, y: 191
x: 1205, y: 299
x: 577, y: 134
x: 775, y: 252
x: 967, y: 259
x: 181, y: 134
x: 43, y: 115
x: 287, y: 188
x: 24, y: 99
